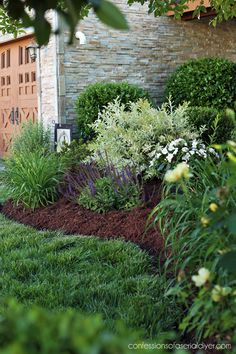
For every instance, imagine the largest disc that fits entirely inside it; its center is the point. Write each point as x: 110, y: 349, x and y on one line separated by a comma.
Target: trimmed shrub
x: 97, y: 96
x: 204, y: 82
x: 219, y: 126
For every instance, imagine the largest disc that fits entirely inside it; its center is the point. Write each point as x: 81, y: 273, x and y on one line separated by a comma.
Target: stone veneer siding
x: 145, y: 55
x: 48, y: 79
x: 48, y: 83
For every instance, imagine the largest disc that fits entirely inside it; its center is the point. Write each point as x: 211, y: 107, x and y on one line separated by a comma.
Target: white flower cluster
x: 180, y: 150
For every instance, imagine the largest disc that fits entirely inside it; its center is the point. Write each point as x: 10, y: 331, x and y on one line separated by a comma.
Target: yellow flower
x: 231, y: 143
x: 181, y: 171
x: 213, y: 207
x: 202, y: 277
x: 218, y: 293
x: 205, y: 221
x: 224, y: 250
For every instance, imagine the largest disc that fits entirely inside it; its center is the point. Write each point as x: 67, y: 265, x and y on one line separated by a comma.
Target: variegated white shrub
x: 130, y: 137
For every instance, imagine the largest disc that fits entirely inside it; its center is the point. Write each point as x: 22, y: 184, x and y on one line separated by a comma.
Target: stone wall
x: 48, y: 80
x: 48, y: 83
x: 145, y: 55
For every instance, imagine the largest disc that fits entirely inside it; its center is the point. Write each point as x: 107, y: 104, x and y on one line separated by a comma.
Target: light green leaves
x: 14, y: 16
x: 109, y: 14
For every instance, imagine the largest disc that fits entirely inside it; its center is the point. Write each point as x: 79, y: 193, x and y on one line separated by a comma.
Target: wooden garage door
x: 18, y: 90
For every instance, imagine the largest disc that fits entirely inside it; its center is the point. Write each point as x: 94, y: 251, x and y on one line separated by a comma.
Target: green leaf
x: 228, y: 261
x: 231, y: 222
x: 42, y: 30
x: 109, y: 14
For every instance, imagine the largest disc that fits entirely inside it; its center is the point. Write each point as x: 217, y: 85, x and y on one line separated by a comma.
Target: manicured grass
x: 113, y: 278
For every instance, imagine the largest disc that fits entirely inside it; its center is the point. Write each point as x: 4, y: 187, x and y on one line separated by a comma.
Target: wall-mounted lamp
x: 81, y: 37
x: 32, y: 48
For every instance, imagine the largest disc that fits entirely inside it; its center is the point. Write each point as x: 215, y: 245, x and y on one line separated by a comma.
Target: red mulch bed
x: 74, y: 219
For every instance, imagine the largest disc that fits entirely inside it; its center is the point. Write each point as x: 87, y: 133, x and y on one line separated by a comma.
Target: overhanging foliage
x: 14, y: 14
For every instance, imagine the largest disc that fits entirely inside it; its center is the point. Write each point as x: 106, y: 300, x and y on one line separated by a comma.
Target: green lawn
x: 114, y: 278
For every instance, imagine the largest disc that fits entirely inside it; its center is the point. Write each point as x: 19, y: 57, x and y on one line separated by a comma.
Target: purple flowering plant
x: 106, y: 187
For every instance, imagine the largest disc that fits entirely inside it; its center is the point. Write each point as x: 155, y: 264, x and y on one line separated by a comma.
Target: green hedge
x: 96, y: 96
x: 207, y: 82
x: 35, y: 330
x: 205, y: 116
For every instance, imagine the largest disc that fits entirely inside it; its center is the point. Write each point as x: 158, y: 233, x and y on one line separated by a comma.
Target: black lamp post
x: 32, y: 48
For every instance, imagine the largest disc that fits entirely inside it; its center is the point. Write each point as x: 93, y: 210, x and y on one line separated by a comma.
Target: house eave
x: 8, y: 38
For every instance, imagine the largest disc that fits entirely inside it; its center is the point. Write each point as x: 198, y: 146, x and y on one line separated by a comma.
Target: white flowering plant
x: 178, y: 150
x: 136, y: 137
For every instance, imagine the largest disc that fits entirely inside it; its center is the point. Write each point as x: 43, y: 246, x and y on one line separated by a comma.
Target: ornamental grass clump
x: 33, y: 172
x: 132, y: 138
x: 33, y: 137
x: 33, y: 179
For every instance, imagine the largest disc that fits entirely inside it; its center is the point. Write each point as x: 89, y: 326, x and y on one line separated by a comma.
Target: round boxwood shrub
x: 219, y: 126
x: 207, y: 82
x: 97, y: 96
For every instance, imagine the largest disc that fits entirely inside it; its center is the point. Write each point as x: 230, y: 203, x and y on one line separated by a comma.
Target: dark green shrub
x: 74, y: 153
x: 35, y: 330
x: 95, y: 97
x: 219, y: 126
x: 33, y: 178
x: 106, y: 194
x: 204, y: 82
